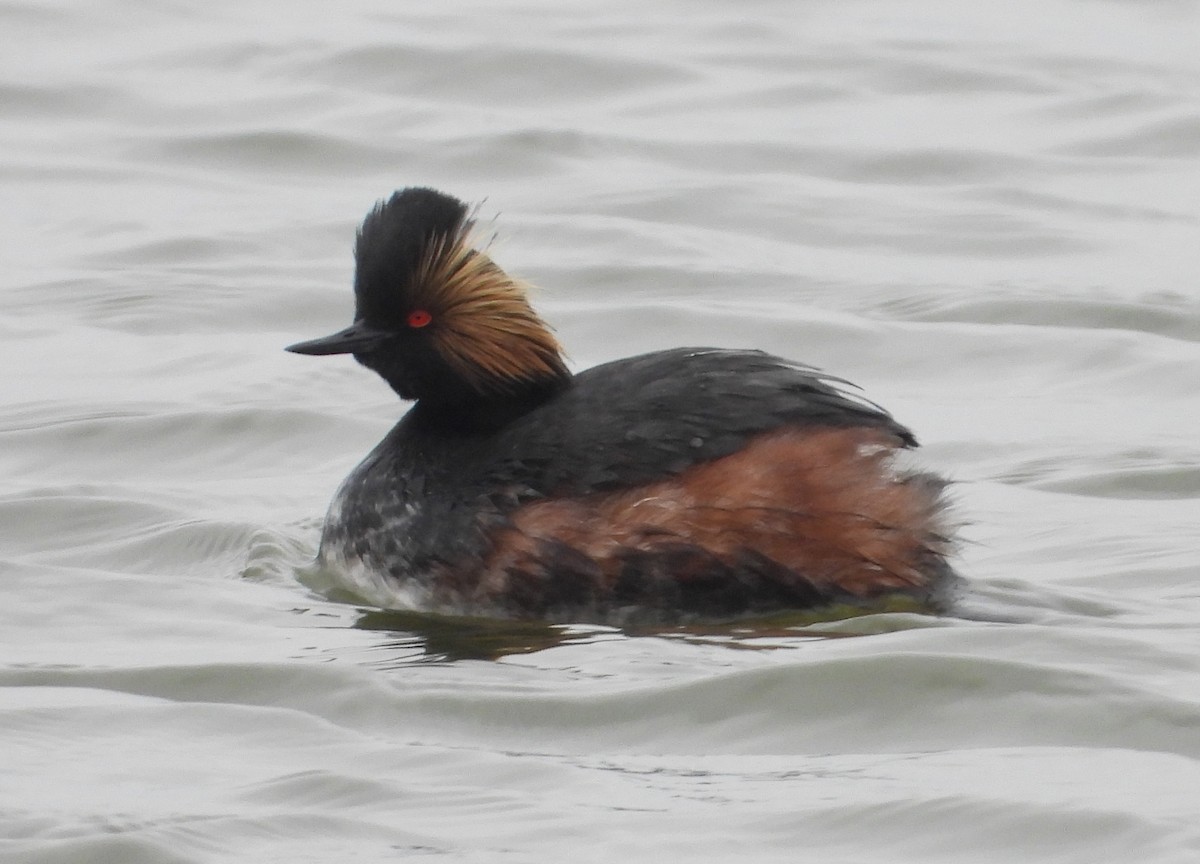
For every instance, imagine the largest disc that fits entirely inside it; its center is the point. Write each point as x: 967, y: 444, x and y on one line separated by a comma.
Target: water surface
x: 985, y: 217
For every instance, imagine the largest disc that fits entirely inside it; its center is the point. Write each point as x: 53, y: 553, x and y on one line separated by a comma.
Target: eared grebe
x: 691, y: 483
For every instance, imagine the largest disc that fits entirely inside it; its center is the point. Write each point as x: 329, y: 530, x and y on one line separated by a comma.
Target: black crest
x: 394, y: 241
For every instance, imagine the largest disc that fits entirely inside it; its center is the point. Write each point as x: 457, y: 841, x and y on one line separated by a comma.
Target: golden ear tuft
x: 485, y: 327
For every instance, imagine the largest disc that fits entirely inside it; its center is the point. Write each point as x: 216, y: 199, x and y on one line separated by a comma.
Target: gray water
x: 986, y: 215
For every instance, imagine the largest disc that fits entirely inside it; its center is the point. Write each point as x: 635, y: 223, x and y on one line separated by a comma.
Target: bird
x: 684, y: 485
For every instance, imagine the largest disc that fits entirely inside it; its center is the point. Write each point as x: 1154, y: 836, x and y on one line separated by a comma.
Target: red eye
x: 419, y: 318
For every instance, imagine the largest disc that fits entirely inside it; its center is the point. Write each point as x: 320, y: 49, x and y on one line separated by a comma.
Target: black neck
x: 471, y: 413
